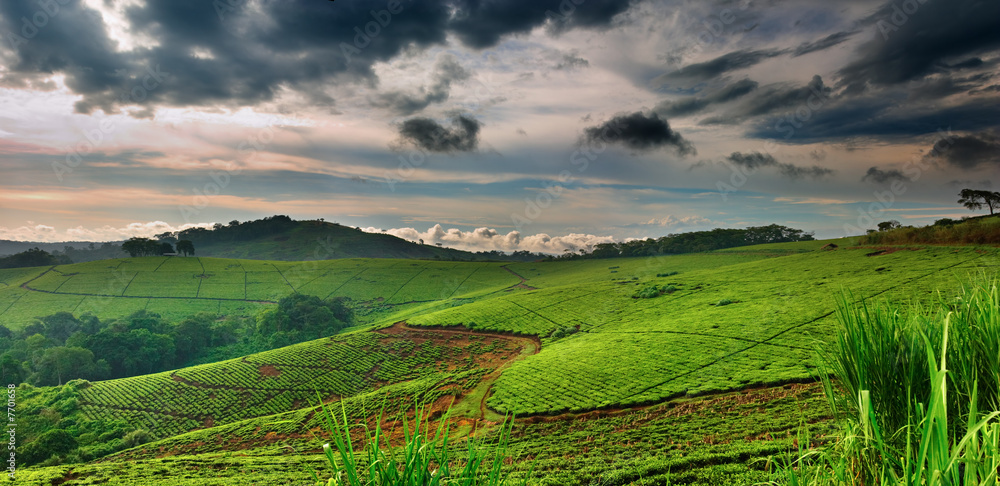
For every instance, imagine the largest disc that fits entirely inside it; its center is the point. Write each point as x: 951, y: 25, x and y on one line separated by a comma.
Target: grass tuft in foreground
x: 425, y: 458
x: 916, y: 394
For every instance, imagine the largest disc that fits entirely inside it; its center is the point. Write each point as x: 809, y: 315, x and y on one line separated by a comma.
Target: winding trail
x: 529, y: 345
x: 522, y: 284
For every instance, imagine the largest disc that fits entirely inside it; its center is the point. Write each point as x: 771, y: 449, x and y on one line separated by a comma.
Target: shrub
x: 136, y: 438
x: 668, y: 274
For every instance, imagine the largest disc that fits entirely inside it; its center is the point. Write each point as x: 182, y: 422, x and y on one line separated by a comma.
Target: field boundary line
x: 328, y: 271
x: 283, y: 278
x: 63, y: 282
x: 14, y: 302
x: 535, y: 313
x: 872, y: 296
x: 466, y: 279
x: 136, y: 274
x: 345, y: 283
x: 161, y: 264
x: 36, y: 277
x: 717, y: 360
x: 407, y: 282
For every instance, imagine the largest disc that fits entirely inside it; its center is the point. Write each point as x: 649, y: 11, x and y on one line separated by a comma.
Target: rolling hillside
x: 555, y: 342
x: 275, y: 238
x: 316, y: 240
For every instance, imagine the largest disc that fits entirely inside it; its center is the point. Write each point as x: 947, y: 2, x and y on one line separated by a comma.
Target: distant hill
x: 281, y: 238
x: 317, y: 240
x: 272, y: 238
x: 9, y: 247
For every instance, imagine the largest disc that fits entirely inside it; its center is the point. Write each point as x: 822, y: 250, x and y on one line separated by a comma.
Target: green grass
x: 919, y: 393
x: 628, y: 352
x: 183, y: 286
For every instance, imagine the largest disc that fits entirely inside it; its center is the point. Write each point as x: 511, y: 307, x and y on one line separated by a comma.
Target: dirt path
x: 521, y: 285
x: 528, y: 344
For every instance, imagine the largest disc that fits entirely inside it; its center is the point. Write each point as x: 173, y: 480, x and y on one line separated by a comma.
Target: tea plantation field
x: 177, y: 287
x: 626, y: 362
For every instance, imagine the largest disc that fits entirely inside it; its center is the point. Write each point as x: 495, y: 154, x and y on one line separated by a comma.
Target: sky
x: 539, y: 125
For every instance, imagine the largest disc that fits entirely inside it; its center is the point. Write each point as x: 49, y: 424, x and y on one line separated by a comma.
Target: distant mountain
x: 281, y: 238
x: 275, y: 238
x: 8, y: 247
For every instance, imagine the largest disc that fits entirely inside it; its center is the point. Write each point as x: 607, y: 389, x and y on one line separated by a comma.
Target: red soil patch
x: 268, y: 370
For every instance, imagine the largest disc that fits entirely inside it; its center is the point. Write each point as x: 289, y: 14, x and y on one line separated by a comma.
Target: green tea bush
x: 654, y: 291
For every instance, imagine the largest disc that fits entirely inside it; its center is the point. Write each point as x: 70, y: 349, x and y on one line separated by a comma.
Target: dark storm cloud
x: 822, y: 44
x: 481, y: 24
x: 73, y: 42
x: 879, y: 176
x: 941, y: 86
x: 687, y: 106
x: 972, y: 62
x: 256, y: 49
x: 913, y: 39
x: 757, y: 160
x: 430, y: 135
x: 704, y: 71
x: 448, y: 71
x: 752, y: 160
x: 638, y: 131
x: 969, y: 151
x: 876, y: 117
x: 773, y: 98
x: 682, y: 107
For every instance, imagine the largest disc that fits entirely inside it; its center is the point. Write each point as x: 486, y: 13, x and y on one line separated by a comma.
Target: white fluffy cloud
x: 486, y: 239
x: 48, y: 234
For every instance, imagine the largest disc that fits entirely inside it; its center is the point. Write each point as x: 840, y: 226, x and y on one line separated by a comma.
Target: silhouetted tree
x: 138, y: 246
x: 29, y: 258
x: 889, y: 225
x: 186, y: 247
x: 975, y: 200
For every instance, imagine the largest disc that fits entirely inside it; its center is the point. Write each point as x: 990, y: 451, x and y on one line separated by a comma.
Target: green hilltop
x: 671, y: 351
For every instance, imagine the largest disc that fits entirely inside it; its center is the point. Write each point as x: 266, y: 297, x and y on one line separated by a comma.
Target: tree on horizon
x: 974, y: 200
